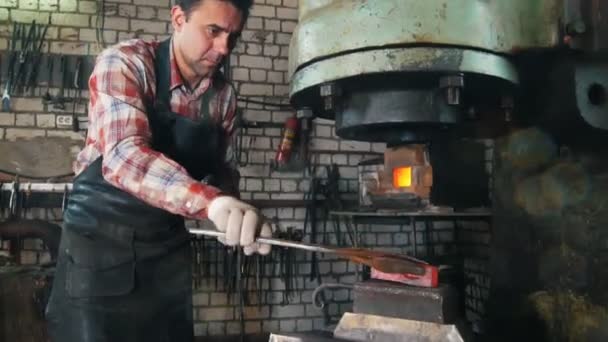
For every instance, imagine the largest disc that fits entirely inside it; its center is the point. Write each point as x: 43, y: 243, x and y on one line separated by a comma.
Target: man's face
x: 206, y: 37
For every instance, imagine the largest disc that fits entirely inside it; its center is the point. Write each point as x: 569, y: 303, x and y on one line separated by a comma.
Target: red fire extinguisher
x: 287, y: 141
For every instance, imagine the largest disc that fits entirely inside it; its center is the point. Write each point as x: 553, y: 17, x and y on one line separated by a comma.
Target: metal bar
x: 410, y: 214
x: 38, y: 187
x: 270, y: 241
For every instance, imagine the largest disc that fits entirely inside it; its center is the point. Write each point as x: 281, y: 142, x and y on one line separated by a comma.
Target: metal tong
x: 381, y: 261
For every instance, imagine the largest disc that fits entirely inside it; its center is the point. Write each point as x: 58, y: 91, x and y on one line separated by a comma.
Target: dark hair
x: 244, y: 6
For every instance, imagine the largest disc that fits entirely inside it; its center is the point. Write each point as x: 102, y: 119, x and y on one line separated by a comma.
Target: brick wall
x: 259, y: 70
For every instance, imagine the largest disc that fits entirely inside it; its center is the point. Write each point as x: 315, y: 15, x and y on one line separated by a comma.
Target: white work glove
x: 241, y: 223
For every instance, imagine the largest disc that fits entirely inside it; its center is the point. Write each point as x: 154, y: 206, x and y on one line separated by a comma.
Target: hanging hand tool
x: 386, y: 263
x: 32, y: 74
x: 77, y: 71
x: 27, y: 40
x: 12, y: 59
x: 59, y: 100
x: 47, y: 98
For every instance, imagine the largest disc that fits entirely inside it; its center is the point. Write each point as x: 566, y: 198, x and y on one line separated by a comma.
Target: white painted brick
x: 233, y: 328
x: 324, y: 144
x: 290, y: 3
x: 45, y: 120
x: 275, y: 77
x: 281, y: 116
x: 216, y: 314
x: 282, y: 38
x: 304, y: 325
x: 29, y: 16
x: 287, y: 325
x: 272, y: 25
x: 69, y: 48
x: 7, y: 119
x: 261, y: 143
x: 272, y: 185
x: 349, y: 145
x: 260, y: 36
x: 216, y: 328
x: 253, y: 327
x: 200, y: 329
x: 304, y: 185
x: 10, y: 3
x: 114, y: 23
x: 144, y: 12
x: 288, y: 26
x: 285, y: 213
x: 254, y: 49
x: 87, y: 7
x: 157, y: 3
x: 284, y: 51
x: 148, y: 26
x: 262, y: 11
x: 125, y: 10
x: 256, y: 115
x: 66, y: 134
x: 270, y: 326
x: 281, y: 90
x: 292, y: 196
x: 289, y: 185
x: 25, y: 120
x: 254, y: 24
x: 280, y: 64
x: 258, y: 75
x: 272, y: 51
x: 52, y: 33
x: 324, y: 159
x: 287, y: 13
x: 70, y: 19
x: 340, y: 159
x: 68, y: 33
x: 255, y: 62
x: 273, y: 2
x: 200, y: 299
x: 299, y: 213
x: 272, y: 132
x: 378, y: 147
x: 28, y: 4
x: 68, y: 5
x: 26, y: 104
x: 256, y: 89
x: 349, y: 172
x: 163, y: 14
x: 261, y: 196
x: 90, y: 35
x: 219, y: 298
x: 13, y: 134
x: 254, y: 185
x: 256, y: 157
x: 3, y: 14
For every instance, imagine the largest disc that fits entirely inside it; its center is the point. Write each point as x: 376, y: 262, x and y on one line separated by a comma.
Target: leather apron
x: 124, y: 267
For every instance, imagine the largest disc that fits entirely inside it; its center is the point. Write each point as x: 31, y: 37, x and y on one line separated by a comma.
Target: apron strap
x: 162, y: 68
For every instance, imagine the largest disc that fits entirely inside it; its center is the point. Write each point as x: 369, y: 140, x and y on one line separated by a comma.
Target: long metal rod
x: 270, y: 241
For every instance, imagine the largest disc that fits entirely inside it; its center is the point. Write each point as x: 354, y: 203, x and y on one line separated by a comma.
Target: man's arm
x: 118, y: 118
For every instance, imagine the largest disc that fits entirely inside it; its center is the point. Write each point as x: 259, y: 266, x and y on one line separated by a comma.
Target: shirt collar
x: 176, y: 76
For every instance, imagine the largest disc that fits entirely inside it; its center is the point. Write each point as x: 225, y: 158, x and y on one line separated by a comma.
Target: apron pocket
x: 98, y: 267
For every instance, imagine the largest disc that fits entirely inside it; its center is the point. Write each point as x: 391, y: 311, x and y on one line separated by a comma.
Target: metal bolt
x: 452, y: 85
x: 304, y: 113
x: 507, y: 104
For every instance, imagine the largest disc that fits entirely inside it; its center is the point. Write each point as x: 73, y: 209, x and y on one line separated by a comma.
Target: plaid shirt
x: 121, y: 86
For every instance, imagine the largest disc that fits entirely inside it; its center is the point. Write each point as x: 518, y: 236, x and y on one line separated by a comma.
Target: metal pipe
x: 270, y: 241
